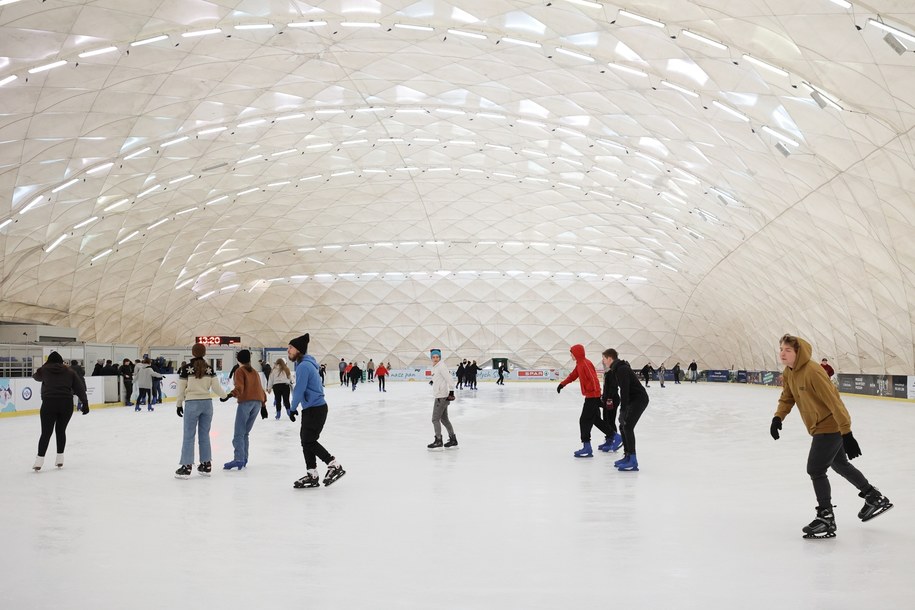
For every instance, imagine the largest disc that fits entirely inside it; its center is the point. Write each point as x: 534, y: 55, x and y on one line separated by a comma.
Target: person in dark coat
x: 632, y: 401
x: 59, y: 383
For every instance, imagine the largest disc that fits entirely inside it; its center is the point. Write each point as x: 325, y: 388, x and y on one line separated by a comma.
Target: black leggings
x: 313, y: 419
x: 590, y: 416
x: 827, y: 450
x: 147, y: 392
x: 380, y: 382
x: 55, y: 414
x: 629, y: 417
x: 280, y: 396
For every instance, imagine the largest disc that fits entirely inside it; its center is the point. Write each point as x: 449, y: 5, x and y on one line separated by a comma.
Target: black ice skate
x: 334, y: 472
x: 452, y: 442
x: 183, y: 472
x: 435, y: 445
x: 205, y: 468
x: 824, y: 526
x: 875, y: 503
x: 306, y: 482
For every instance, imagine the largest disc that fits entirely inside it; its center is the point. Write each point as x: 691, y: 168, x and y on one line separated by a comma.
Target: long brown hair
x: 281, y: 364
x: 200, y: 367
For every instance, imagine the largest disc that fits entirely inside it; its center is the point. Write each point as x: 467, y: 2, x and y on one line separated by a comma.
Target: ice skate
x: 616, y: 443
x: 605, y: 446
x: 39, y: 462
x: 585, y: 451
x: 625, y: 458
x: 435, y: 445
x: 205, y: 468
x: 334, y: 472
x: 183, y: 472
x: 309, y: 480
x: 59, y: 462
x: 233, y: 464
x: 875, y: 504
x: 631, y: 464
x: 452, y: 442
x: 824, y: 526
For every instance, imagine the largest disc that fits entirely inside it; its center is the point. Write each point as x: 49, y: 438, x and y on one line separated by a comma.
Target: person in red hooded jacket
x: 590, y: 388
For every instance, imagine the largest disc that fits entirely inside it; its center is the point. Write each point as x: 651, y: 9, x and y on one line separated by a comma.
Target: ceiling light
x: 255, y: 26
x: 450, y: 111
x: 201, y: 33
x: 5, y: 222
x: 285, y: 152
x: 210, y: 293
x: 46, y: 67
x: 6, y: 2
x: 139, y: 43
x: 704, y: 40
x: 116, y: 204
x: 895, y: 43
x: 343, y: 173
x: 99, y: 168
x: 182, y: 179
x: 97, y: 52
x: 890, y: 29
x: 823, y: 100
x: 842, y: 3
x: 211, y: 130
x: 371, y: 109
x: 731, y: 111
x: 136, y: 154
x: 149, y: 190
x: 185, y: 283
x: 765, y: 65
x: 628, y: 70
x: 646, y: 20
x: 65, y: 185
x: 574, y: 54
x: 252, y: 122
x: 88, y: 221
x: 586, y: 3
x: 187, y: 211
x: 471, y: 170
x: 329, y: 111
x: 175, y: 141
x: 467, y: 34
x: 217, y: 200
x: 360, y: 24
x: 531, y: 123
x: 524, y: 43
x: 156, y: 224
x: 251, y: 158
x: 679, y: 88
x: 56, y: 243
x: 246, y: 191
x: 307, y: 178
x: 408, y: 26
x: 305, y: 24
x: 101, y: 255
x: 129, y: 237
x: 8, y: 79
x: 321, y: 145
x: 489, y: 115
x: 281, y: 183
x: 289, y: 117
x: 780, y: 136
x: 504, y: 175
x: 498, y: 146
x: 782, y: 149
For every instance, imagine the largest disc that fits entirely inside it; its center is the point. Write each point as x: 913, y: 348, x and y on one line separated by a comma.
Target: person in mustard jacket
x: 807, y: 385
x: 251, y: 399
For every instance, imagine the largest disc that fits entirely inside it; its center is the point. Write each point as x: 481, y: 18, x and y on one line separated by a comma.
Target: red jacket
x: 381, y: 371
x: 584, y: 372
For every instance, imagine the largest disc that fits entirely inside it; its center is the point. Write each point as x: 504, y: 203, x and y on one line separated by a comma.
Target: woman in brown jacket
x: 251, y: 399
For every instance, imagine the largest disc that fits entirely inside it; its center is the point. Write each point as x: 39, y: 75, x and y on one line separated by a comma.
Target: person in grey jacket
x: 58, y: 385
x: 143, y: 377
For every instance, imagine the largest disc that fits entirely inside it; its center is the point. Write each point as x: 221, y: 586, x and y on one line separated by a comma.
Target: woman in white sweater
x: 280, y: 381
x: 196, y: 383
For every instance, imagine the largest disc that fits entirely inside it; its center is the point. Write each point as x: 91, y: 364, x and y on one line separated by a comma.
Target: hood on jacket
x: 578, y: 351
x: 804, y: 354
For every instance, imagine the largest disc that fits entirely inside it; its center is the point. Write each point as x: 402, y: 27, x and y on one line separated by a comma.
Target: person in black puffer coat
x: 58, y: 385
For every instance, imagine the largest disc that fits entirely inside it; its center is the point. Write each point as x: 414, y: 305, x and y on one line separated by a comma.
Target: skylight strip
x: 149, y: 190
x: 187, y: 211
x: 628, y: 70
x: 156, y: 224
x: 586, y: 3
x: 360, y: 24
x: 254, y: 26
x: 329, y: 111
x: 281, y: 183
x: 252, y: 122
x: 504, y: 175
x: 704, y: 40
x: 289, y: 117
x: 229, y: 287
x: 182, y: 179
x: 185, y: 283
x: 842, y: 3
x: 209, y: 294
x: 285, y: 152
x: 247, y: 191
x: 5, y: 222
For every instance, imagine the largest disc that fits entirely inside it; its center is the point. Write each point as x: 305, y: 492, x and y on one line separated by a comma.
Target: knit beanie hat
x: 55, y: 358
x: 244, y: 356
x: 199, y: 350
x: 436, y: 352
x: 301, y: 343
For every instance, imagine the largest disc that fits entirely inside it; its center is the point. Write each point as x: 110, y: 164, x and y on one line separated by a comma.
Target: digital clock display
x: 218, y: 340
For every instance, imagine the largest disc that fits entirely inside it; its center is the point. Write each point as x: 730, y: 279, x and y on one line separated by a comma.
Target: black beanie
x: 54, y: 358
x: 244, y: 356
x: 300, y: 343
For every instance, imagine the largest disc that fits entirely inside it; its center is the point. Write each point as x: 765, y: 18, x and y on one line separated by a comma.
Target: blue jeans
x: 245, y: 415
x: 198, y: 415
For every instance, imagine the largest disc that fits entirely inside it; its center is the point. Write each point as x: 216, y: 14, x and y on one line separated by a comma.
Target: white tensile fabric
x: 494, y: 178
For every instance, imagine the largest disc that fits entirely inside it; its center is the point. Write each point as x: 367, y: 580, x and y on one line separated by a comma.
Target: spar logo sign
x: 532, y: 374
x: 26, y: 393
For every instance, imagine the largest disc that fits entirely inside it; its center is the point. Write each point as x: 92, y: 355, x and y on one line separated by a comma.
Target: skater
x: 370, y: 369
x: 807, y: 385
x: 196, y: 382
x: 380, y: 373
x: 693, y: 372
x: 632, y: 401
x: 443, y: 393
x: 355, y: 375
x: 590, y: 388
x: 144, y: 375
x: 279, y: 383
x: 59, y: 383
x: 126, y: 372
x: 310, y: 394
x: 610, y: 405
x: 661, y: 372
x: 461, y: 371
x: 341, y: 366
x: 677, y: 372
x: 470, y: 375
x: 322, y: 372
x: 251, y: 400
x: 826, y: 367
x: 646, y: 374
x: 502, y: 371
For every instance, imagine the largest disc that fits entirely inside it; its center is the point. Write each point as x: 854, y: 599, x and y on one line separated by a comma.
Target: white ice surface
x: 510, y: 520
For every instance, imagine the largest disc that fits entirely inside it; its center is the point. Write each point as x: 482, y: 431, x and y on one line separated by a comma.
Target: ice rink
x: 509, y: 520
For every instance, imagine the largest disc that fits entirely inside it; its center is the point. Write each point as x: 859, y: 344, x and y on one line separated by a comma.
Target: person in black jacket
x: 58, y: 385
x: 614, y: 440
x: 646, y: 374
x: 126, y: 373
x: 632, y: 400
x: 355, y: 375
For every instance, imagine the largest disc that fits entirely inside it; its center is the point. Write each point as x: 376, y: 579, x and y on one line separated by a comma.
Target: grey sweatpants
x: 440, y: 416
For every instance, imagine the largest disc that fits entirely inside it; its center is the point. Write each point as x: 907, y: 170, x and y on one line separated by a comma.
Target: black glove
x: 430, y: 382
x: 180, y: 411
x: 559, y: 388
x: 263, y: 410
x: 292, y: 414
x: 450, y: 395
x: 852, y: 450
x: 84, y: 409
x: 226, y: 398
x: 775, y: 427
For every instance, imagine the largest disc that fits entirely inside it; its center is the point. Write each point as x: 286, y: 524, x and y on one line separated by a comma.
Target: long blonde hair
x: 281, y: 364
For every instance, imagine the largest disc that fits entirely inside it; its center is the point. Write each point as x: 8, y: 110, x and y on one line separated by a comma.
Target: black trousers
x: 55, y: 414
x: 501, y: 379
x: 128, y: 390
x: 280, y: 396
x: 147, y: 392
x: 590, y: 416
x: 826, y: 450
x: 610, y: 420
x: 313, y: 419
x: 342, y: 377
x: 381, y: 383
x: 629, y: 417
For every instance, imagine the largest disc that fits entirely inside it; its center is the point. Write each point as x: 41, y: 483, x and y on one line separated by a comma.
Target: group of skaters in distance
x: 806, y: 385
x: 351, y: 373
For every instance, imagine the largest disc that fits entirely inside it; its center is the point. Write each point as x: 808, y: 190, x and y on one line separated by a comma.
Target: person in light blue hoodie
x: 309, y: 392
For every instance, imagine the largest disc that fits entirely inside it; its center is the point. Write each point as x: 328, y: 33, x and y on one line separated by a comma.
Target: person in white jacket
x: 143, y: 377
x: 196, y: 383
x: 279, y: 383
x: 443, y: 392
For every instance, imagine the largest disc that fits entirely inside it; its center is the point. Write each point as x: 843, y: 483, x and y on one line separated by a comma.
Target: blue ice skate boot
x: 233, y: 464
x: 585, y: 451
x: 605, y: 446
x: 630, y: 465
x: 616, y: 443
x: 625, y: 458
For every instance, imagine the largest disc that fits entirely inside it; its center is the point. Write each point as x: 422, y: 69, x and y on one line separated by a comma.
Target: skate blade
x: 435, y: 448
x: 450, y: 448
x: 183, y: 477
x: 296, y: 486
x: 634, y: 469
x: 819, y: 536
x: 878, y: 513
x: 336, y: 478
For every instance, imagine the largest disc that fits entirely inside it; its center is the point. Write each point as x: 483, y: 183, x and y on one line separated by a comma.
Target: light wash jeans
x: 245, y: 415
x: 198, y: 415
